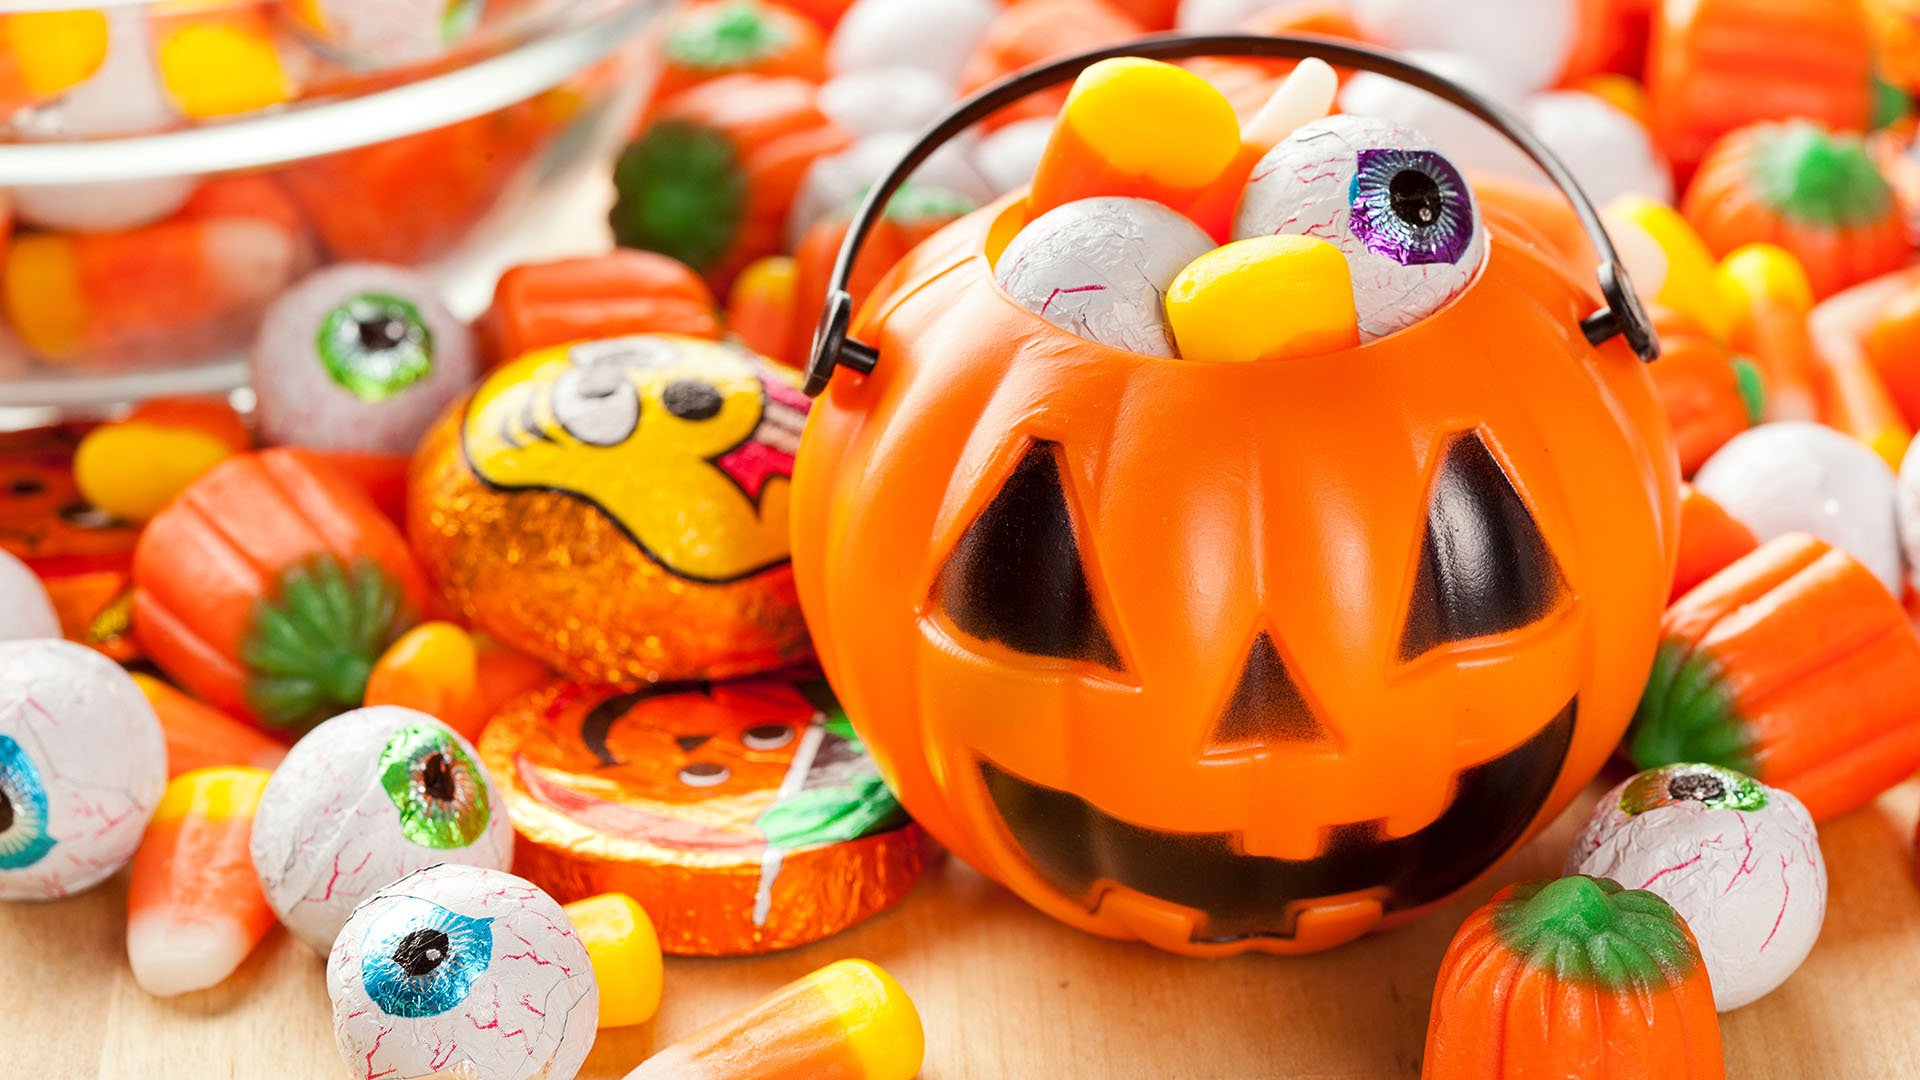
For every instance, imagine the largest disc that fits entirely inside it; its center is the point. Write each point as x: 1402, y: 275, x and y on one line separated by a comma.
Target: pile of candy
x: 140, y: 272
x: 520, y: 595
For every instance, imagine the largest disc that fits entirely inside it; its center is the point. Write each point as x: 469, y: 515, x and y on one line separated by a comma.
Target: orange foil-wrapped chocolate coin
x: 82, y: 555
x: 745, y: 817
x: 618, y: 508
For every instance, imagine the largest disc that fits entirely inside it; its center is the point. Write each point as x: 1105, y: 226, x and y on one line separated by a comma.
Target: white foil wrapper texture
x: 82, y: 765
x: 1739, y: 861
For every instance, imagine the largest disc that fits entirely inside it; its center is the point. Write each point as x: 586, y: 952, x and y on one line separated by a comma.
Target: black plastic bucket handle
x: 1623, y: 314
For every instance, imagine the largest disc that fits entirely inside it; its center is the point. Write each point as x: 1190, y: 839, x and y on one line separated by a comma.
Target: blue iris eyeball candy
x: 1388, y: 199
x: 360, y: 357
x: 462, y: 971
x: 82, y: 765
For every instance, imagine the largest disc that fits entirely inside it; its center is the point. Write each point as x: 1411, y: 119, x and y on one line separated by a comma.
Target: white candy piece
x: 837, y: 180
x: 462, y: 972
x: 936, y: 36
x: 1610, y: 153
x: 82, y: 765
x: 385, y: 33
x: 1796, y: 476
x: 1906, y: 502
x: 1008, y: 158
x: 1101, y: 269
x: 869, y: 101
x: 305, y: 400
x: 363, y: 800
x: 25, y: 610
x: 1465, y: 139
x: 1530, y: 40
x: 1341, y: 179
x: 123, y: 97
x: 1739, y: 861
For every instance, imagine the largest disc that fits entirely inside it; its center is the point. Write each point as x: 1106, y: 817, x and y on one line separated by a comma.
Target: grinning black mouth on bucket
x: 1082, y: 851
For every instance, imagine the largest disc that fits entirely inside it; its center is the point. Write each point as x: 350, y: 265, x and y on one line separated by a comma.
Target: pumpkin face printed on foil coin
x: 743, y: 816
x: 1236, y: 656
x: 619, y: 508
x: 82, y: 555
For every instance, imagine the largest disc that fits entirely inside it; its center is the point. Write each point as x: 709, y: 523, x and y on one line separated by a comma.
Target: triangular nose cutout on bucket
x: 1267, y: 705
x: 1016, y: 576
x: 1484, y: 567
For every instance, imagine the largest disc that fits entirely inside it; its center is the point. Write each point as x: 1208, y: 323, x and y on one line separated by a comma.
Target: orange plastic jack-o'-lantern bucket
x: 1235, y: 656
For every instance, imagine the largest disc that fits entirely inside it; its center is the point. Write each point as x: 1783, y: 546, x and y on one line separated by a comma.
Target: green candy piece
x: 311, y: 646
x: 1709, y: 785
x: 1687, y: 713
x: 1813, y: 176
x: 436, y: 787
x: 1752, y: 386
x: 1590, y: 930
x: 680, y: 191
x: 375, y: 345
x: 724, y: 37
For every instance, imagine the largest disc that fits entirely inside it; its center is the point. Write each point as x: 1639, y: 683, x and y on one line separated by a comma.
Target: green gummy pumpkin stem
x: 1591, y: 930
x: 724, y: 36
x: 680, y: 191
x: 1688, y: 713
x: 311, y: 645
x: 1813, y: 176
x: 1752, y: 386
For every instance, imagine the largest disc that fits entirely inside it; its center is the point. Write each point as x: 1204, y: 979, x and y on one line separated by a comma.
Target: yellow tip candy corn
x: 1267, y: 298
x: 626, y: 956
x: 49, y: 52
x: 221, y: 63
x: 847, y: 1021
x: 194, y: 907
x: 1136, y: 128
x: 1669, y: 263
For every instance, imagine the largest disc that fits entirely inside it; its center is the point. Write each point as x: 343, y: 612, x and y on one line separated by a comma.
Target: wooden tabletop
x: 1006, y: 993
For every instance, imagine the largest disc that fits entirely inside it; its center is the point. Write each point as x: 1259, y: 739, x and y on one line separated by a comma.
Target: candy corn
x: 1267, y: 298
x: 625, y: 951
x: 761, y: 308
x: 1668, y: 261
x: 200, y: 736
x: 219, y: 59
x: 1140, y: 129
x: 1305, y: 95
x: 44, y: 53
x: 1771, y: 300
x: 847, y: 1021
x: 232, y: 246
x: 439, y: 669
x: 131, y: 467
x: 1853, y: 395
x: 194, y: 908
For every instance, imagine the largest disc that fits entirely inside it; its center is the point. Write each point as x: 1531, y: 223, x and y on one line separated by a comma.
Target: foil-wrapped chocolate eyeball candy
x: 1392, y: 203
x: 462, y: 973
x: 82, y: 765
x: 359, y: 356
x: 1739, y: 860
x: 366, y: 798
x: 25, y: 609
x: 1101, y: 268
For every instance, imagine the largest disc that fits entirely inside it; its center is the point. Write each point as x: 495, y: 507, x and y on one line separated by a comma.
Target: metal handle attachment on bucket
x: 832, y: 348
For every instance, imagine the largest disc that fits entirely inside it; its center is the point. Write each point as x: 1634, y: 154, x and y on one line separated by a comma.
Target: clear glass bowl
x: 139, y: 262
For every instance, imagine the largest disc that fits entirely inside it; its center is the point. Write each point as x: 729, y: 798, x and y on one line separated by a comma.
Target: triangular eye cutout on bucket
x: 1267, y: 705
x: 1016, y: 576
x: 1484, y: 567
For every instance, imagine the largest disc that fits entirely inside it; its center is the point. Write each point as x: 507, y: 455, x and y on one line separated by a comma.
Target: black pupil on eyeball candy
x: 421, y: 951
x: 1415, y: 197
x: 1701, y: 787
x: 436, y: 776
x: 382, y: 330
x: 6, y: 812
